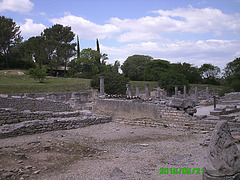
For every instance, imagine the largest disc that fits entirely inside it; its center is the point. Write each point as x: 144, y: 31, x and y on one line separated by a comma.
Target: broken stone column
x: 179, y: 93
x: 102, y: 86
x: 158, y: 93
x: 137, y: 91
x: 207, y: 92
x: 223, y: 154
x: 147, y: 91
x: 196, y: 93
x: 128, y: 90
x: 176, y: 91
x: 184, y: 92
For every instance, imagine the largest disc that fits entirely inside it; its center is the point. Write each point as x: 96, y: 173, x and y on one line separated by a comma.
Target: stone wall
x: 10, y: 115
x: 51, y: 124
x: 56, y: 102
x: 133, y: 112
x: 34, y: 104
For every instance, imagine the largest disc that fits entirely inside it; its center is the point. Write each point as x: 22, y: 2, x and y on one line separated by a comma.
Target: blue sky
x: 193, y: 31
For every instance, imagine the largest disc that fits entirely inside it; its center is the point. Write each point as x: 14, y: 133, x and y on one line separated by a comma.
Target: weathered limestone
x: 185, y: 104
x: 184, y: 92
x: 207, y: 93
x: 224, y: 155
x: 102, y: 86
x: 128, y: 92
x: 176, y: 91
x: 137, y: 91
x: 196, y: 93
x: 147, y: 93
x: 159, y: 93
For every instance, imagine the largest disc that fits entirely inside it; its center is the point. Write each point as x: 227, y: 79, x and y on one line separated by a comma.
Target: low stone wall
x: 133, y: 112
x: 55, y: 96
x: 10, y: 116
x: 60, y: 101
x: 34, y: 104
x: 231, y: 96
x: 51, y: 124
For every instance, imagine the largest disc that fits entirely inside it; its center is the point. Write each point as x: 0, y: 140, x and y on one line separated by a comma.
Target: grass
x: 203, y: 86
x: 12, y: 82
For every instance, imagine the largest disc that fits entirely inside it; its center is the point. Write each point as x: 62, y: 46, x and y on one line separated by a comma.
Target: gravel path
x: 101, y: 152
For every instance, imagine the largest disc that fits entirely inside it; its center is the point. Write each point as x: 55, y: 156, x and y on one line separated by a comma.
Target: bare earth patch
x: 104, y: 151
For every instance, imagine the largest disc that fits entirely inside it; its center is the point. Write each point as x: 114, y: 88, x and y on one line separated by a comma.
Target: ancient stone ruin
x: 223, y: 154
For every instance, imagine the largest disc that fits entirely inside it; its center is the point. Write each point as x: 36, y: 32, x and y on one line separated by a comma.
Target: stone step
x: 51, y: 124
x: 11, y: 117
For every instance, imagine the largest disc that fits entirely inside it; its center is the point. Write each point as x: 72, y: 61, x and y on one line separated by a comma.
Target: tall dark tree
x: 98, y: 58
x: 62, y: 36
x: 98, y: 47
x: 35, y: 50
x: 78, y: 47
x: 9, y: 36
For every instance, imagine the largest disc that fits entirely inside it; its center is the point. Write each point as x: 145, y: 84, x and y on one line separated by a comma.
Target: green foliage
x: 38, y: 73
x: 190, y: 72
x: 114, y: 83
x: 155, y: 68
x: 232, y: 75
x: 168, y: 80
x: 134, y: 66
x: 9, y: 37
x: 232, y: 68
x: 210, y: 74
x: 88, y: 63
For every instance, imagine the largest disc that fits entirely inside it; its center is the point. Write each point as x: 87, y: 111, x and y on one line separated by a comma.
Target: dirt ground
x: 101, y: 152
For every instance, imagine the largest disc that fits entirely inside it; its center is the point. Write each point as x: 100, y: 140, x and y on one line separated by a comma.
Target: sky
x: 192, y: 31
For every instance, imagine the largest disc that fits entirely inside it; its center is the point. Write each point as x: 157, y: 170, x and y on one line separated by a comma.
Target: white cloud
x: 217, y: 52
x: 21, y: 6
x: 85, y: 28
x: 146, y: 35
x: 31, y: 29
x: 151, y: 28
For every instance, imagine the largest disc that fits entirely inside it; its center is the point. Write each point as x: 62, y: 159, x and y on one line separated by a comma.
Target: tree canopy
x: 155, y: 68
x: 9, y: 36
x: 134, y: 66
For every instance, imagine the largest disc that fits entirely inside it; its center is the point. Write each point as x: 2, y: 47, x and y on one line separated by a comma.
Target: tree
x: 169, y: 79
x: 9, y: 36
x: 190, y: 72
x: 38, y: 73
x: 114, y: 83
x: 232, y: 68
x: 232, y: 75
x: 155, y: 68
x: 210, y: 74
x: 78, y: 47
x: 35, y: 50
x: 62, y: 36
x: 134, y: 66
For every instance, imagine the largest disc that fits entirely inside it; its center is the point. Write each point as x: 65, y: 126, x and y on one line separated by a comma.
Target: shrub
x: 38, y: 74
x: 114, y: 83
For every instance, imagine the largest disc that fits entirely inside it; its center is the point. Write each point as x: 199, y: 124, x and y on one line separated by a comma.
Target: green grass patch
x: 12, y: 82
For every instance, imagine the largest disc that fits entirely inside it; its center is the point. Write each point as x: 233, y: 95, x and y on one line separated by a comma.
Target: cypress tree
x: 78, y: 47
x: 98, y: 48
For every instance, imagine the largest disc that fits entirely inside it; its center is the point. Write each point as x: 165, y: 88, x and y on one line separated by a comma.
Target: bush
x: 38, y: 74
x: 114, y: 83
x: 168, y: 81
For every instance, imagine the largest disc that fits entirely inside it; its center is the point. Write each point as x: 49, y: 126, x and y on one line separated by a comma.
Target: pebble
x: 36, y: 172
